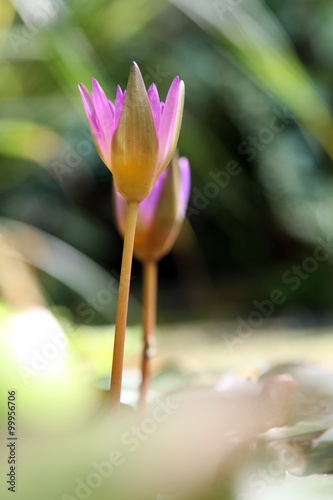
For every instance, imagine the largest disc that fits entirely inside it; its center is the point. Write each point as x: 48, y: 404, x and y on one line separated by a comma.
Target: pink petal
x: 148, y: 207
x: 155, y: 104
x: 119, y: 101
x: 104, y: 114
x: 112, y: 108
x: 168, y: 118
x: 88, y: 106
x: 94, y: 124
x: 120, y: 209
x: 185, y: 186
x: 101, y: 103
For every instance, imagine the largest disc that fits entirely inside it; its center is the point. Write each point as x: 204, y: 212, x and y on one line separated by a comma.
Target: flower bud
x: 136, y: 136
x: 160, y: 215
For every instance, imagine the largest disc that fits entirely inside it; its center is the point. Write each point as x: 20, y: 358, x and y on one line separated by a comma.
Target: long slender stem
x: 121, y: 318
x: 149, y: 321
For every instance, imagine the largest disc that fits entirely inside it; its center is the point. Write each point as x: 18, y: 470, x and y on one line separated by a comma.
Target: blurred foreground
x: 251, y: 422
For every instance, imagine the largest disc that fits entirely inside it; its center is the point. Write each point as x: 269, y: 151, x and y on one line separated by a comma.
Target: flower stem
x: 149, y: 320
x: 121, y: 318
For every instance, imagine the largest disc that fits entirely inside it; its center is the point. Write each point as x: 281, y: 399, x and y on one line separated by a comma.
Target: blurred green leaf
x: 259, y: 44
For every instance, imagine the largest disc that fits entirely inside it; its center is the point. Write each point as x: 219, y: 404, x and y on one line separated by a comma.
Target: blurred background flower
x: 162, y: 214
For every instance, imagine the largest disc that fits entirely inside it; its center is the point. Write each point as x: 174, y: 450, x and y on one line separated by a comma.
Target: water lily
x: 136, y: 136
x: 160, y: 217
x: 161, y: 214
